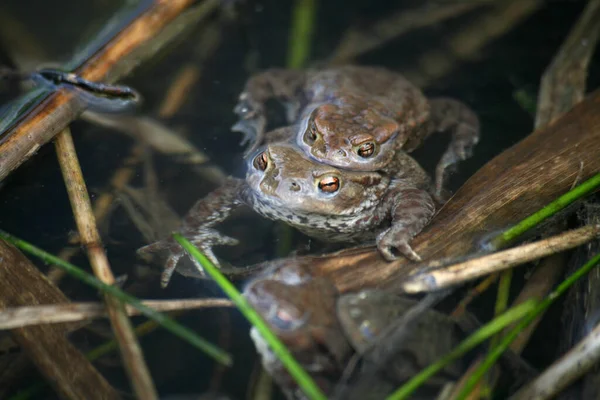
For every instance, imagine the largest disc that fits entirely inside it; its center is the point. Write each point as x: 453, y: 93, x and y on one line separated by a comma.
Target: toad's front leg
x: 197, y: 227
x: 411, y: 210
x: 282, y: 84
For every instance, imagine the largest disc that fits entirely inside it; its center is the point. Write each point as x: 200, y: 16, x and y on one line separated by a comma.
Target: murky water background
x: 34, y: 204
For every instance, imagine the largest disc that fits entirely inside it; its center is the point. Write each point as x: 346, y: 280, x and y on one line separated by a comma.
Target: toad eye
x: 261, y: 161
x: 330, y: 184
x: 366, y: 150
x: 311, y: 135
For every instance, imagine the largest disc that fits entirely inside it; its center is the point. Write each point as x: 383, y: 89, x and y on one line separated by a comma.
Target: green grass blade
x: 302, y: 378
x: 303, y: 20
x: 497, y: 351
x: 482, y: 334
x: 165, y: 321
x: 511, y: 234
x: 502, y: 300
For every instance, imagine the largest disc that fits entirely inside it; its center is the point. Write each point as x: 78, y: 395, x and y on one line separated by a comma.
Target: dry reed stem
x: 462, y: 272
x: 481, y: 287
x: 179, y: 90
x: 19, y: 317
x: 564, y: 371
x: 174, y: 98
x: 86, y: 225
x: 102, y: 205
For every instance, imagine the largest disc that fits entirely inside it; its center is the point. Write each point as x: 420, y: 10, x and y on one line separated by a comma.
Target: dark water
x: 33, y: 201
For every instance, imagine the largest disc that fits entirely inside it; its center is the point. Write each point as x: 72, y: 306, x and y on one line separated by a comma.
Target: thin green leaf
x: 482, y: 334
x: 511, y: 234
x: 497, y: 351
x: 302, y: 378
x: 303, y: 21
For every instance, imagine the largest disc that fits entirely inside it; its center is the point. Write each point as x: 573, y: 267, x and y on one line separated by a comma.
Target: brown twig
x: 86, y: 225
x: 174, y: 98
x: 102, y: 206
x: 462, y: 272
x: 179, y: 90
x: 18, y: 317
x: 141, y: 39
x: 481, y: 287
x: 65, y: 368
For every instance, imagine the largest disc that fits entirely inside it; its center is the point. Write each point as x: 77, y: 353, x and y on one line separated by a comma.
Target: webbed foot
x: 204, y: 240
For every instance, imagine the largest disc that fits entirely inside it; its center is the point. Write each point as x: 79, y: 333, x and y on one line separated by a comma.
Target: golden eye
x: 330, y: 184
x: 311, y: 135
x: 366, y: 150
x: 261, y: 161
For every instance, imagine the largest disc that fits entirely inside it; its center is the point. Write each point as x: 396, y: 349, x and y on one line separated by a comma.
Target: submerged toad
x: 323, y: 328
x: 356, y: 117
x: 322, y: 201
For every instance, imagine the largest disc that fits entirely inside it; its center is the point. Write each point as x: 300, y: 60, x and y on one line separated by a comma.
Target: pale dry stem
x: 469, y: 270
x: 18, y: 317
x: 86, y: 225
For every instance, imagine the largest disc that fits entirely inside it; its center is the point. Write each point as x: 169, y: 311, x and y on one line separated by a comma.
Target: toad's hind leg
x: 452, y: 115
x: 276, y: 83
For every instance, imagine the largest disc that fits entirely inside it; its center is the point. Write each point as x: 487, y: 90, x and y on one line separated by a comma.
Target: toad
x: 320, y: 200
x: 323, y: 329
x: 357, y: 117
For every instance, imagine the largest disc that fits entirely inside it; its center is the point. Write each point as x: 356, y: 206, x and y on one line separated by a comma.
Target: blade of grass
x: 165, y: 321
x: 303, y: 20
x: 482, y: 334
x: 496, y: 352
x: 511, y: 234
x: 500, y: 307
x: 302, y: 378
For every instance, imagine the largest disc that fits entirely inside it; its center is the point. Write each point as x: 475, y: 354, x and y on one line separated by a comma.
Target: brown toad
x: 323, y: 328
x: 322, y: 201
x: 357, y: 117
